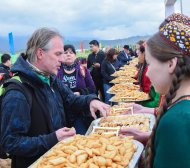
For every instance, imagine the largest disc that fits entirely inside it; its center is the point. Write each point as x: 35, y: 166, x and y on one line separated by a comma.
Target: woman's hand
x: 136, y: 133
x: 138, y: 109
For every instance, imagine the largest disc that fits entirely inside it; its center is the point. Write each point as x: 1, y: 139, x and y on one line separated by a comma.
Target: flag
x: 82, y: 47
x: 100, y: 45
x: 11, y: 43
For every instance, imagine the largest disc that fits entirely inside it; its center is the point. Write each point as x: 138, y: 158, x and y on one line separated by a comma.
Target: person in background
x: 94, y: 62
x: 109, y: 66
x: 168, y: 54
x: 137, y: 46
x: 31, y: 128
x: 5, y: 68
x: 79, y: 80
x: 141, y: 77
x: 124, y: 56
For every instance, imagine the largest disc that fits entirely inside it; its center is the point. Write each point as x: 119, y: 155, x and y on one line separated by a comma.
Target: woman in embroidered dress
x: 79, y: 80
x: 168, y: 59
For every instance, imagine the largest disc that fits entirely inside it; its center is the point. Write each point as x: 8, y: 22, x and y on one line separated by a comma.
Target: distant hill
x: 20, y: 42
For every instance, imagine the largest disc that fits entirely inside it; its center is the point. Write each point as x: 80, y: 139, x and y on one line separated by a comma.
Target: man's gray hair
x: 40, y: 39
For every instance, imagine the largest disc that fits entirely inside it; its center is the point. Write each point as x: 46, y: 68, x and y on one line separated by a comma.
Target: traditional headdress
x: 177, y: 17
x: 177, y: 32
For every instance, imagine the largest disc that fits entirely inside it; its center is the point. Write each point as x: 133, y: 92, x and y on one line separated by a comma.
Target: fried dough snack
x: 93, y: 151
x: 139, y: 121
x: 119, y: 109
x: 128, y: 72
x: 133, y: 95
x: 123, y: 88
x: 106, y: 130
x: 123, y: 79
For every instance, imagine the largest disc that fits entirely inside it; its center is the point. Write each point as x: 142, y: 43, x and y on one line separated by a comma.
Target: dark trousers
x: 99, y: 88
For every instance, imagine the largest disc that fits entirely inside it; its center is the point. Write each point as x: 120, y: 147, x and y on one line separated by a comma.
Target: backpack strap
x: 15, y: 83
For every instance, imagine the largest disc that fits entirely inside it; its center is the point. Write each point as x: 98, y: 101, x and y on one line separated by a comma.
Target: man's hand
x: 77, y: 93
x: 64, y: 133
x: 96, y: 65
x: 98, y: 105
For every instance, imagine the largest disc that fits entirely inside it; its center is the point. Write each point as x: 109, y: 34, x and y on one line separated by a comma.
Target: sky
x: 83, y: 19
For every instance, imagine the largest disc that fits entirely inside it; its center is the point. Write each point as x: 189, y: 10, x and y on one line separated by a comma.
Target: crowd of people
x: 57, y: 92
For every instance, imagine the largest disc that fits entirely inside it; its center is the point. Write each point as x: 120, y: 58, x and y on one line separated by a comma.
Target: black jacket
x: 5, y: 71
x: 109, y: 68
x: 123, y: 59
x: 28, y: 132
x: 95, y: 58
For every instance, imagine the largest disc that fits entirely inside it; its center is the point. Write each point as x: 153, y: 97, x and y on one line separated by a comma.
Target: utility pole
x: 169, y: 7
x: 181, y: 5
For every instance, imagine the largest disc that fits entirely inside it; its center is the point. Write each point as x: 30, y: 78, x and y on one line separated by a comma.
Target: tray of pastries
x: 120, y: 109
x: 143, y: 122
x: 123, y: 79
x: 128, y: 68
x: 92, y: 151
x: 125, y: 87
x: 130, y: 73
x: 130, y: 96
x: 106, y: 130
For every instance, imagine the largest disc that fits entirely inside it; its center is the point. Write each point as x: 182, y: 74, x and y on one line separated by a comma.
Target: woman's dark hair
x: 163, y: 52
x: 141, y: 42
x: 111, y: 52
x: 142, y: 66
x: 142, y: 49
x: 69, y: 46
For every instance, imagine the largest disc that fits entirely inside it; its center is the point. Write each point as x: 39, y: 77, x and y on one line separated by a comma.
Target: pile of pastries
x: 139, y: 121
x: 123, y: 88
x: 120, y: 109
x: 123, y: 79
x: 129, y: 72
x: 106, y: 130
x: 83, y: 151
x: 134, y: 95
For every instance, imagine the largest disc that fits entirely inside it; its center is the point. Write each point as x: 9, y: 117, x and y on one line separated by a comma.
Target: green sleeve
x: 172, y: 141
x: 154, y: 101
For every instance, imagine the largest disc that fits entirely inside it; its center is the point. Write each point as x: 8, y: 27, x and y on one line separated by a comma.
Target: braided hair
x: 163, y: 52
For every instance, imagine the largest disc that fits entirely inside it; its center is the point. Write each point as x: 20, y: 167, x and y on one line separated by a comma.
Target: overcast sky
x: 101, y: 19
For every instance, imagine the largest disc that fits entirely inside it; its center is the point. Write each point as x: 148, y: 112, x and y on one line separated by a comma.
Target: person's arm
x: 15, y: 126
x: 146, y: 81
x: 139, y: 109
x: 100, y: 58
x: 121, y: 57
x: 155, y: 99
x: 60, y: 73
x: 104, y: 72
x: 82, y: 102
x: 137, y: 134
x: 89, y: 64
x: 90, y: 87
